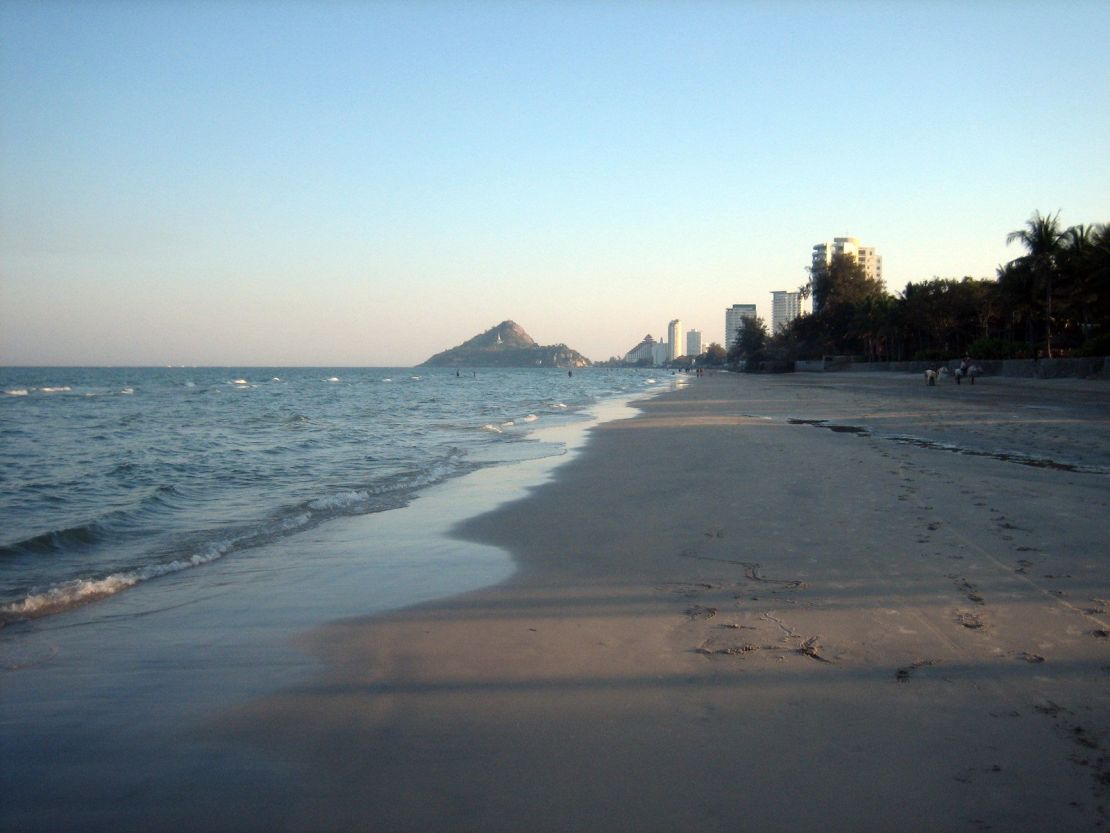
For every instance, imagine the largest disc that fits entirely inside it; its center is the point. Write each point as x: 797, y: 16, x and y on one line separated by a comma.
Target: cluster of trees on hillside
x: 1052, y: 300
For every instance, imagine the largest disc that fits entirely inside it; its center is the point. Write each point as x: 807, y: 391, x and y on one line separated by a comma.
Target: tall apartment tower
x: 674, y: 339
x: 823, y: 254
x: 785, y: 307
x: 734, y: 320
x: 693, y: 343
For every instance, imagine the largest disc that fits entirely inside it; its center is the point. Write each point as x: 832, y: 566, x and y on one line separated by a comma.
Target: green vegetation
x: 1052, y: 300
x: 748, y: 348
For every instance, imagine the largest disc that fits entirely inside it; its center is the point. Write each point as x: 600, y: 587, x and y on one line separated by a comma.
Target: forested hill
x: 507, y: 345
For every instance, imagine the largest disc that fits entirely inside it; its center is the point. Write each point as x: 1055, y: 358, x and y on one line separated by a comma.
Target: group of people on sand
x: 966, y: 370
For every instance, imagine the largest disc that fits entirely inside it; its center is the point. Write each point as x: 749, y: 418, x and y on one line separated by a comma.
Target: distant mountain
x: 507, y: 345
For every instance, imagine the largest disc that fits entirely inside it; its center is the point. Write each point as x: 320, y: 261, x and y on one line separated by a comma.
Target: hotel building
x: 674, y: 339
x: 785, y: 307
x: 693, y: 343
x: 823, y: 254
x: 734, y: 320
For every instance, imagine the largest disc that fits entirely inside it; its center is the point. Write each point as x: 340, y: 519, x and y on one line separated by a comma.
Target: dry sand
x: 725, y: 620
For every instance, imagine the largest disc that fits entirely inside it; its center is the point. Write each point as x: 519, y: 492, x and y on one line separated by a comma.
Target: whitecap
x: 559, y: 405
x: 341, y: 500
x: 127, y: 391
x: 83, y: 590
x: 60, y: 389
x: 332, y: 379
x: 239, y: 382
x: 531, y: 418
x: 493, y: 429
x: 16, y: 392
x: 509, y: 424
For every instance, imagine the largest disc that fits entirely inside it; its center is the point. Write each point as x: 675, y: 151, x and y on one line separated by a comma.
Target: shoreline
x: 719, y: 620
x: 102, y: 704
x: 890, y: 655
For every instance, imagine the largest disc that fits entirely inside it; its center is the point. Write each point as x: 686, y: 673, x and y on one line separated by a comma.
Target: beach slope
x: 764, y: 604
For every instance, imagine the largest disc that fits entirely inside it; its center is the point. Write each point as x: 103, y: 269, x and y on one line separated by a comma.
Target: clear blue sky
x: 369, y: 183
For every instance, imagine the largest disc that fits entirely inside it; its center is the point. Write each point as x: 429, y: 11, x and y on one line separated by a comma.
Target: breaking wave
x: 389, y: 493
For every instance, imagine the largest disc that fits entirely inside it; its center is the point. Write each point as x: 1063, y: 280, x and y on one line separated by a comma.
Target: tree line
x: 1052, y: 300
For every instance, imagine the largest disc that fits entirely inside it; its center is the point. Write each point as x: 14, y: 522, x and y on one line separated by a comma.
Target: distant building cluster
x: 785, y: 307
x: 657, y: 353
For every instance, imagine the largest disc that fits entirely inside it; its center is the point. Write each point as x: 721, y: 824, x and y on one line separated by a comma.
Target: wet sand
x: 729, y: 617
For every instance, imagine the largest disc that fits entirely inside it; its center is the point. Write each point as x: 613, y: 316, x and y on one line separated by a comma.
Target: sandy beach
x: 801, y: 603
x: 729, y: 617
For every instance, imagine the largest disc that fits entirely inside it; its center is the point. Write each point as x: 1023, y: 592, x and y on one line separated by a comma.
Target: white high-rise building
x: 660, y: 353
x: 674, y: 339
x: 785, y: 307
x: 823, y: 254
x: 693, y: 343
x: 734, y: 320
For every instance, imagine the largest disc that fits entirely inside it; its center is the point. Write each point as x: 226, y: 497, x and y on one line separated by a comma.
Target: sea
x: 114, y: 477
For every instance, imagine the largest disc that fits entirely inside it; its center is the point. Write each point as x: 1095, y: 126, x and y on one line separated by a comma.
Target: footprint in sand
x: 906, y: 671
x: 971, y: 621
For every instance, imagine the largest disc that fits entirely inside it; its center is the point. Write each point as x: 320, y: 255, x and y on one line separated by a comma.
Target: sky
x: 368, y: 183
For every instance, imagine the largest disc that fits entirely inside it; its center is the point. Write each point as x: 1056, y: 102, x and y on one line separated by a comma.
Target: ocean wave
x: 491, y: 428
x: 16, y: 392
x: 389, y: 493
x: 58, y: 389
x: 56, y: 540
x: 81, y: 591
x: 99, y: 530
x: 340, y: 500
x: 530, y: 418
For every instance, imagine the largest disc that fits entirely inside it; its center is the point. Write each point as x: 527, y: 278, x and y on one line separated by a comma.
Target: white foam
x: 531, y: 418
x: 340, y: 500
x: 559, y: 405
x: 60, y: 389
x: 493, y: 429
x: 508, y: 424
x: 16, y: 392
x: 127, y: 391
x: 295, y: 522
x: 332, y: 379
x: 83, y: 590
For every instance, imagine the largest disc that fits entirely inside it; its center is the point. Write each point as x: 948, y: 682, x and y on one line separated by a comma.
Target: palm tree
x: 1043, y: 240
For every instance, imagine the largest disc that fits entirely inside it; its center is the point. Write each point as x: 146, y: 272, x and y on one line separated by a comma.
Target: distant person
x: 965, y: 370
x: 570, y: 373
